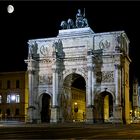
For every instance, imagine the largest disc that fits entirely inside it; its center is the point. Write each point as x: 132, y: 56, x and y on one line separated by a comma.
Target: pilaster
x: 117, y: 114
x: 90, y: 87
x: 31, y: 106
x: 118, y: 84
x: 55, y: 114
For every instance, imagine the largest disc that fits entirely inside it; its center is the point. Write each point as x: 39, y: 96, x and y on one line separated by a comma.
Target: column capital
x: 55, y: 106
x: 55, y: 70
x: 89, y: 52
x: 117, y: 66
x: 89, y: 68
x: 31, y: 71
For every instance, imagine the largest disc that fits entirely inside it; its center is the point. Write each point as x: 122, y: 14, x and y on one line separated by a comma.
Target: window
x: 17, y: 83
x: 17, y: 111
x: 8, y: 84
x: 8, y: 99
x: 13, y: 98
x: 0, y: 84
x: 17, y: 98
x: 8, y: 112
x: 0, y: 99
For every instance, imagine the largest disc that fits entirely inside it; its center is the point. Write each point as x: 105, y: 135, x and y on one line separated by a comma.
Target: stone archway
x: 103, y: 107
x: 45, y: 107
x: 73, y: 99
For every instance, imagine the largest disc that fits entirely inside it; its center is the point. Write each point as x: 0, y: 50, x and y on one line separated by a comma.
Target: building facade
x: 13, y: 96
x: 79, y: 75
x: 135, y: 112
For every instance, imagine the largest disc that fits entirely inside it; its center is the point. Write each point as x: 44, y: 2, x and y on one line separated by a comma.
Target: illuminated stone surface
x: 101, y: 59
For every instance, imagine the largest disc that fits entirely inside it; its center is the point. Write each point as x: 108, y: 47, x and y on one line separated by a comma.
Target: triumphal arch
x: 79, y: 75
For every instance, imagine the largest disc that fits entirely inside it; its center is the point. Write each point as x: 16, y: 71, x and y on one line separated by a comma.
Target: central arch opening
x: 74, y: 98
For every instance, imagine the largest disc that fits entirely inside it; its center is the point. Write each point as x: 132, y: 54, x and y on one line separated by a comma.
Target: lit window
x: 8, y: 99
x: 0, y: 99
x: 13, y: 98
x: 17, y: 98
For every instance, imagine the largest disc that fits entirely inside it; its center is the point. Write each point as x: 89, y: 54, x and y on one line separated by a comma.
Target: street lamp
x: 13, y: 97
x: 75, y: 107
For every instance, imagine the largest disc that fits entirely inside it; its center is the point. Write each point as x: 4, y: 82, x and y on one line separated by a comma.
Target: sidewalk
x: 56, y: 125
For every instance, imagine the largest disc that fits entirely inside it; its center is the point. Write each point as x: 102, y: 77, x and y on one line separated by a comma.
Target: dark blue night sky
x: 36, y: 19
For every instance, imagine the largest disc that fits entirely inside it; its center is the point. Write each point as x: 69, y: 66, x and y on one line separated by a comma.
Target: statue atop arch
x: 80, y: 21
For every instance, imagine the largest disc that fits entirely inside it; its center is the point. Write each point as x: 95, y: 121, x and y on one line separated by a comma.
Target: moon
x: 10, y: 9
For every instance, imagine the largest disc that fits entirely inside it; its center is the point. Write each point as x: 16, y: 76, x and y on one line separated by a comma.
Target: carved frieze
x: 107, y: 76
x: 45, y: 79
x: 45, y: 61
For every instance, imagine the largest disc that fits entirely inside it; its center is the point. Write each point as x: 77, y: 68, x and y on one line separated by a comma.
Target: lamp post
x: 13, y: 99
x: 75, y: 109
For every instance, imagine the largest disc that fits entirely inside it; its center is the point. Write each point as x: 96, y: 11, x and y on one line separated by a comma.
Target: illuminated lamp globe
x: 13, y: 97
x: 10, y: 9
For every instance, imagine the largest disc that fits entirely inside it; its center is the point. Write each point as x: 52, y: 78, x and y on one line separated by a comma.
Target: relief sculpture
x: 104, y: 44
x: 45, y: 79
x: 107, y: 76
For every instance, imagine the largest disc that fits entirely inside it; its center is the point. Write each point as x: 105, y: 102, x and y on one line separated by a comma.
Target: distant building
x: 139, y: 99
x: 79, y: 75
x: 135, y: 99
x: 13, y: 95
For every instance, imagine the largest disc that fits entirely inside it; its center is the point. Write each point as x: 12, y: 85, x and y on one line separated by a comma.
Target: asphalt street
x: 69, y: 131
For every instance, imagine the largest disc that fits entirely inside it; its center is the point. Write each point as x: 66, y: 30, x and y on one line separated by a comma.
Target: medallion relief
x: 104, y: 44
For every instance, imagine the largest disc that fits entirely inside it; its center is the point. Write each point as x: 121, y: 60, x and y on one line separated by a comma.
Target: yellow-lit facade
x: 106, y: 107
x: 13, y: 95
x: 126, y: 90
x: 78, y: 104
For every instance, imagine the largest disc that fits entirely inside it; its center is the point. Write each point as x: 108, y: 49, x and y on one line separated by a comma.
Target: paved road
x: 69, y: 131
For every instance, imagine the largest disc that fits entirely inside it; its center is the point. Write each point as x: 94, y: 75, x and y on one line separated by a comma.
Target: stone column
x: 30, y: 104
x: 55, y: 92
x: 89, y: 106
x: 117, y: 107
x: 93, y: 82
x: 89, y: 87
x: 55, y: 87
